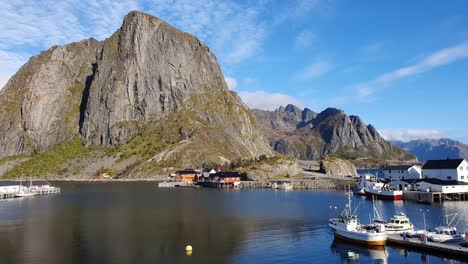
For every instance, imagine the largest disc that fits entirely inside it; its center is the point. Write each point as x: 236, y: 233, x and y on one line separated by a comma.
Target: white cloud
x: 268, y: 101
x: 301, y: 8
x: 313, y: 71
x: 304, y: 39
x: 233, y: 31
x: 436, y: 59
x: 9, y: 63
x: 231, y: 83
x: 411, y: 134
x: 249, y: 80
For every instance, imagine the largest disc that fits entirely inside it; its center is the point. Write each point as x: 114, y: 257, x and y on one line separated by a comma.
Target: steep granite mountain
x: 427, y: 149
x: 153, y: 93
x: 40, y: 104
x: 306, y: 135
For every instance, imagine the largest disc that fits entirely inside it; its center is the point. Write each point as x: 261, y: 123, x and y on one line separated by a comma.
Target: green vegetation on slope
x: 52, y: 160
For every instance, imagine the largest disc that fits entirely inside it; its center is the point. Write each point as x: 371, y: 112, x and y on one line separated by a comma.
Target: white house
x: 443, y: 186
x: 14, y: 186
x: 402, y: 172
x: 446, y: 170
x: 9, y: 186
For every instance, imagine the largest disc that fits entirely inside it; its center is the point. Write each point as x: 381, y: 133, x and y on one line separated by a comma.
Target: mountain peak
x: 137, y: 15
x: 312, y: 136
x: 143, y: 77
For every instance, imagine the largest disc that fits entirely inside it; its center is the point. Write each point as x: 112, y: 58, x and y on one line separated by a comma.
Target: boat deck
x: 430, y: 247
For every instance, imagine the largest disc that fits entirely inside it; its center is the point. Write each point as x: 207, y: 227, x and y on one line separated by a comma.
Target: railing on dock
x: 427, y: 246
x: 37, y: 191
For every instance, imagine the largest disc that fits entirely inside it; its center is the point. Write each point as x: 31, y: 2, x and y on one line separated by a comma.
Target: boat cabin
x: 446, y: 230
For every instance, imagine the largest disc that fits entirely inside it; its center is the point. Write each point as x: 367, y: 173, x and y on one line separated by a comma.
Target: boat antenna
x: 453, y: 218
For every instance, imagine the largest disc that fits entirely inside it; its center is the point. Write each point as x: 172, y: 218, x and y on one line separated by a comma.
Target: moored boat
x: 347, y: 227
x: 24, y: 193
x: 384, y: 193
x: 367, y: 181
x: 282, y: 185
x: 447, y: 233
x: 398, y: 224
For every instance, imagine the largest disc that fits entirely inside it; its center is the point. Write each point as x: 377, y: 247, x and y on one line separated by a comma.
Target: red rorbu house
x: 223, y: 179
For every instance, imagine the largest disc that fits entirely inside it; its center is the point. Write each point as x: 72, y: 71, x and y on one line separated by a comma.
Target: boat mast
x: 349, y: 202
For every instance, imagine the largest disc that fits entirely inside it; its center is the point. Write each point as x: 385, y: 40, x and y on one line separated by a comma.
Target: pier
x: 443, y: 249
x: 430, y: 197
x: 37, y: 191
x: 171, y: 184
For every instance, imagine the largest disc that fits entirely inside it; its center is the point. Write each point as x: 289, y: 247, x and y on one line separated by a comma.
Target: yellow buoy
x: 188, y: 248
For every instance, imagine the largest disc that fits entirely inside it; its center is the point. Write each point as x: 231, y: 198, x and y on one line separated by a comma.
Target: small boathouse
x: 223, y: 179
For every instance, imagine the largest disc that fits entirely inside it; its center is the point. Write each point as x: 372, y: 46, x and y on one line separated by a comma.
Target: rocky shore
x: 303, y: 184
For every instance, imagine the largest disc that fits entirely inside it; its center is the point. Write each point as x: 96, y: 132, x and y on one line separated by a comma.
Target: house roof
x: 397, y: 167
x: 8, y: 183
x: 441, y: 182
x: 24, y: 183
x: 442, y: 164
x: 186, y: 172
x: 226, y: 174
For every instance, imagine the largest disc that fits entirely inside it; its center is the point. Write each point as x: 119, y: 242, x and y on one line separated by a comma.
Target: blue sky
x: 400, y: 65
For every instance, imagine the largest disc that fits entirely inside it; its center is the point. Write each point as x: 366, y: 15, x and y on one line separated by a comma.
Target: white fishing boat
x: 367, y: 181
x: 398, y: 224
x: 347, y: 227
x: 282, y: 185
x: 25, y: 191
x: 447, y: 233
x: 383, y: 193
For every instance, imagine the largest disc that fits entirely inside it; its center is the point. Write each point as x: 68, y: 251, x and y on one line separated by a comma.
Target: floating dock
x: 37, y: 191
x: 171, y: 184
x: 444, y: 249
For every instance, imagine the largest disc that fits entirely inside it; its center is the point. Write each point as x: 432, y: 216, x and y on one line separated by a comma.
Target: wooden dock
x: 430, y: 197
x: 444, y: 249
x: 37, y: 191
x: 171, y: 184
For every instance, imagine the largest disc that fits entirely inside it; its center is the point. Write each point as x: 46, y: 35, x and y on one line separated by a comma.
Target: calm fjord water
x: 139, y: 223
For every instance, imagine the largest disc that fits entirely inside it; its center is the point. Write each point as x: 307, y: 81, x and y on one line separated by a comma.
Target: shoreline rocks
x: 324, y: 184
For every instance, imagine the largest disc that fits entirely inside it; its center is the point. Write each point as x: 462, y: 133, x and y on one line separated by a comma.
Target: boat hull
x: 384, y: 196
x: 354, y: 238
x: 24, y: 194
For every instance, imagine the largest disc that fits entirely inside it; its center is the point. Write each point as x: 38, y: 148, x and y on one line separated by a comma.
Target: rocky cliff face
x: 307, y: 135
x: 149, y: 90
x: 338, y: 167
x: 427, y: 149
x: 40, y: 105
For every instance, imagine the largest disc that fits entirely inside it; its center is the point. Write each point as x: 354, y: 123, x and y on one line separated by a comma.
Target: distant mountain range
x: 426, y: 149
x: 308, y: 135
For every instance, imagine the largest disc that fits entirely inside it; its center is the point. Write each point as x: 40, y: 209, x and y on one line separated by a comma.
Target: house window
x: 462, y: 177
x: 461, y: 168
x: 449, y: 177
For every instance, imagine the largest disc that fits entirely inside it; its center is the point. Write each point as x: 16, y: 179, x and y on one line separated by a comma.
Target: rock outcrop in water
x: 305, y: 134
x: 153, y: 93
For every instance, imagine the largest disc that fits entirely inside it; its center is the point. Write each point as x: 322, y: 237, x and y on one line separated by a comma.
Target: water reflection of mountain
x: 350, y: 253
x: 129, y: 228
